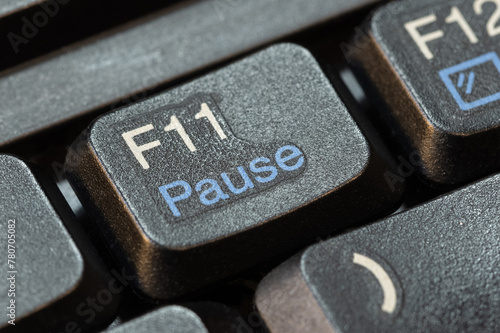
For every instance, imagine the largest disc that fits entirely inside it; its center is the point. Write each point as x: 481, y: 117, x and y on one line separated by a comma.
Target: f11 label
x: 190, y: 161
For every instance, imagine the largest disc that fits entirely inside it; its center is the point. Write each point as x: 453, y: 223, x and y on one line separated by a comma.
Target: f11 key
x: 435, y: 68
x: 434, y: 268
x: 206, y: 180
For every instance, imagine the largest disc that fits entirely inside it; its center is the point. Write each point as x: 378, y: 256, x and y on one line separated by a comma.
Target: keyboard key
x: 122, y: 66
x: 433, y: 268
x: 10, y: 6
x: 193, y: 318
x: 436, y: 67
x: 174, y: 319
x: 51, y: 279
x: 208, y: 179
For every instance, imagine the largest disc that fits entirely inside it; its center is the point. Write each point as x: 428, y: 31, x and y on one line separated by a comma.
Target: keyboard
x: 228, y: 166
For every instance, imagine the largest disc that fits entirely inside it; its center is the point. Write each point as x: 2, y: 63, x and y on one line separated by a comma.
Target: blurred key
x: 435, y: 67
x: 208, y: 179
x: 50, y: 279
x: 434, y: 268
x: 9, y: 6
x: 205, y: 317
x: 30, y: 28
x: 172, y: 319
x: 121, y: 66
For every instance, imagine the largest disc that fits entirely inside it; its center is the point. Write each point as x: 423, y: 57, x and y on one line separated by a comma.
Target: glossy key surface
x: 229, y: 170
x: 434, y: 68
x: 48, y: 274
x: 434, y: 268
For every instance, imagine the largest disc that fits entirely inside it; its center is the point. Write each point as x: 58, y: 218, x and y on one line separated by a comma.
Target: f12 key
x: 246, y: 163
x: 435, y: 68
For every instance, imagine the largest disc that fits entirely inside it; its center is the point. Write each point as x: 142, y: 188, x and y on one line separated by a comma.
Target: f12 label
x: 469, y: 25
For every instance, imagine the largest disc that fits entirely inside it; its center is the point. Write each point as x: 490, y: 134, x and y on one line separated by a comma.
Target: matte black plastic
x: 54, y: 269
x: 441, y: 259
x: 124, y: 64
x: 276, y: 98
x: 445, y: 109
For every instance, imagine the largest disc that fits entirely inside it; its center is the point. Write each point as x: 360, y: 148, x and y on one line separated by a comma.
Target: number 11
x: 204, y: 113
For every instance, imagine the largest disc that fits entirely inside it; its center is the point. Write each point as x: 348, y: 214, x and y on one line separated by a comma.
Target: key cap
x: 50, y: 279
x: 435, y: 67
x: 433, y: 268
x: 175, y: 319
x: 122, y: 67
x: 192, y: 318
x: 213, y: 177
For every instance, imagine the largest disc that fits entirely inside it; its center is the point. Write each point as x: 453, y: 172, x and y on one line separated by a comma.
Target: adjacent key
x: 192, y: 318
x: 435, y: 68
x: 174, y: 319
x: 434, y: 268
x: 124, y: 65
x: 51, y: 279
x: 208, y: 179
x: 31, y: 28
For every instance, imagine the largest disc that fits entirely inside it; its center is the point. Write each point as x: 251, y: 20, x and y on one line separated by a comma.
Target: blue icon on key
x: 461, y: 81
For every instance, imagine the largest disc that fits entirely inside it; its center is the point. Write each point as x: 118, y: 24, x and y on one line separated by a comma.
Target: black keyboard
x: 250, y: 166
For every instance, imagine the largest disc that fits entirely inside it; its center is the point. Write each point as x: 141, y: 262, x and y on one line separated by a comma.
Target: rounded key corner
x: 97, y: 127
x: 365, y: 158
x: 291, y: 51
x: 15, y: 161
x: 285, y: 47
x: 71, y: 279
x: 75, y: 266
x: 379, y: 17
x: 74, y: 273
x: 178, y: 318
x: 360, y: 164
x: 170, y: 246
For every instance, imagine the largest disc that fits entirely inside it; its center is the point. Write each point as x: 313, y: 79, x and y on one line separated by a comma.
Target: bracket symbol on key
x: 388, y: 288
x: 471, y: 69
x: 470, y: 82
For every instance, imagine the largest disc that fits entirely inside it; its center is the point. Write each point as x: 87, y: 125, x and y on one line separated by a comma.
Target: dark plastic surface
x: 441, y: 260
x: 51, y: 275
x: 274, y: 98
x: 9, y: 6
x: 32, y: 28
x: 456, y: 137
x: 172, y: 319
x: 122, y: 65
